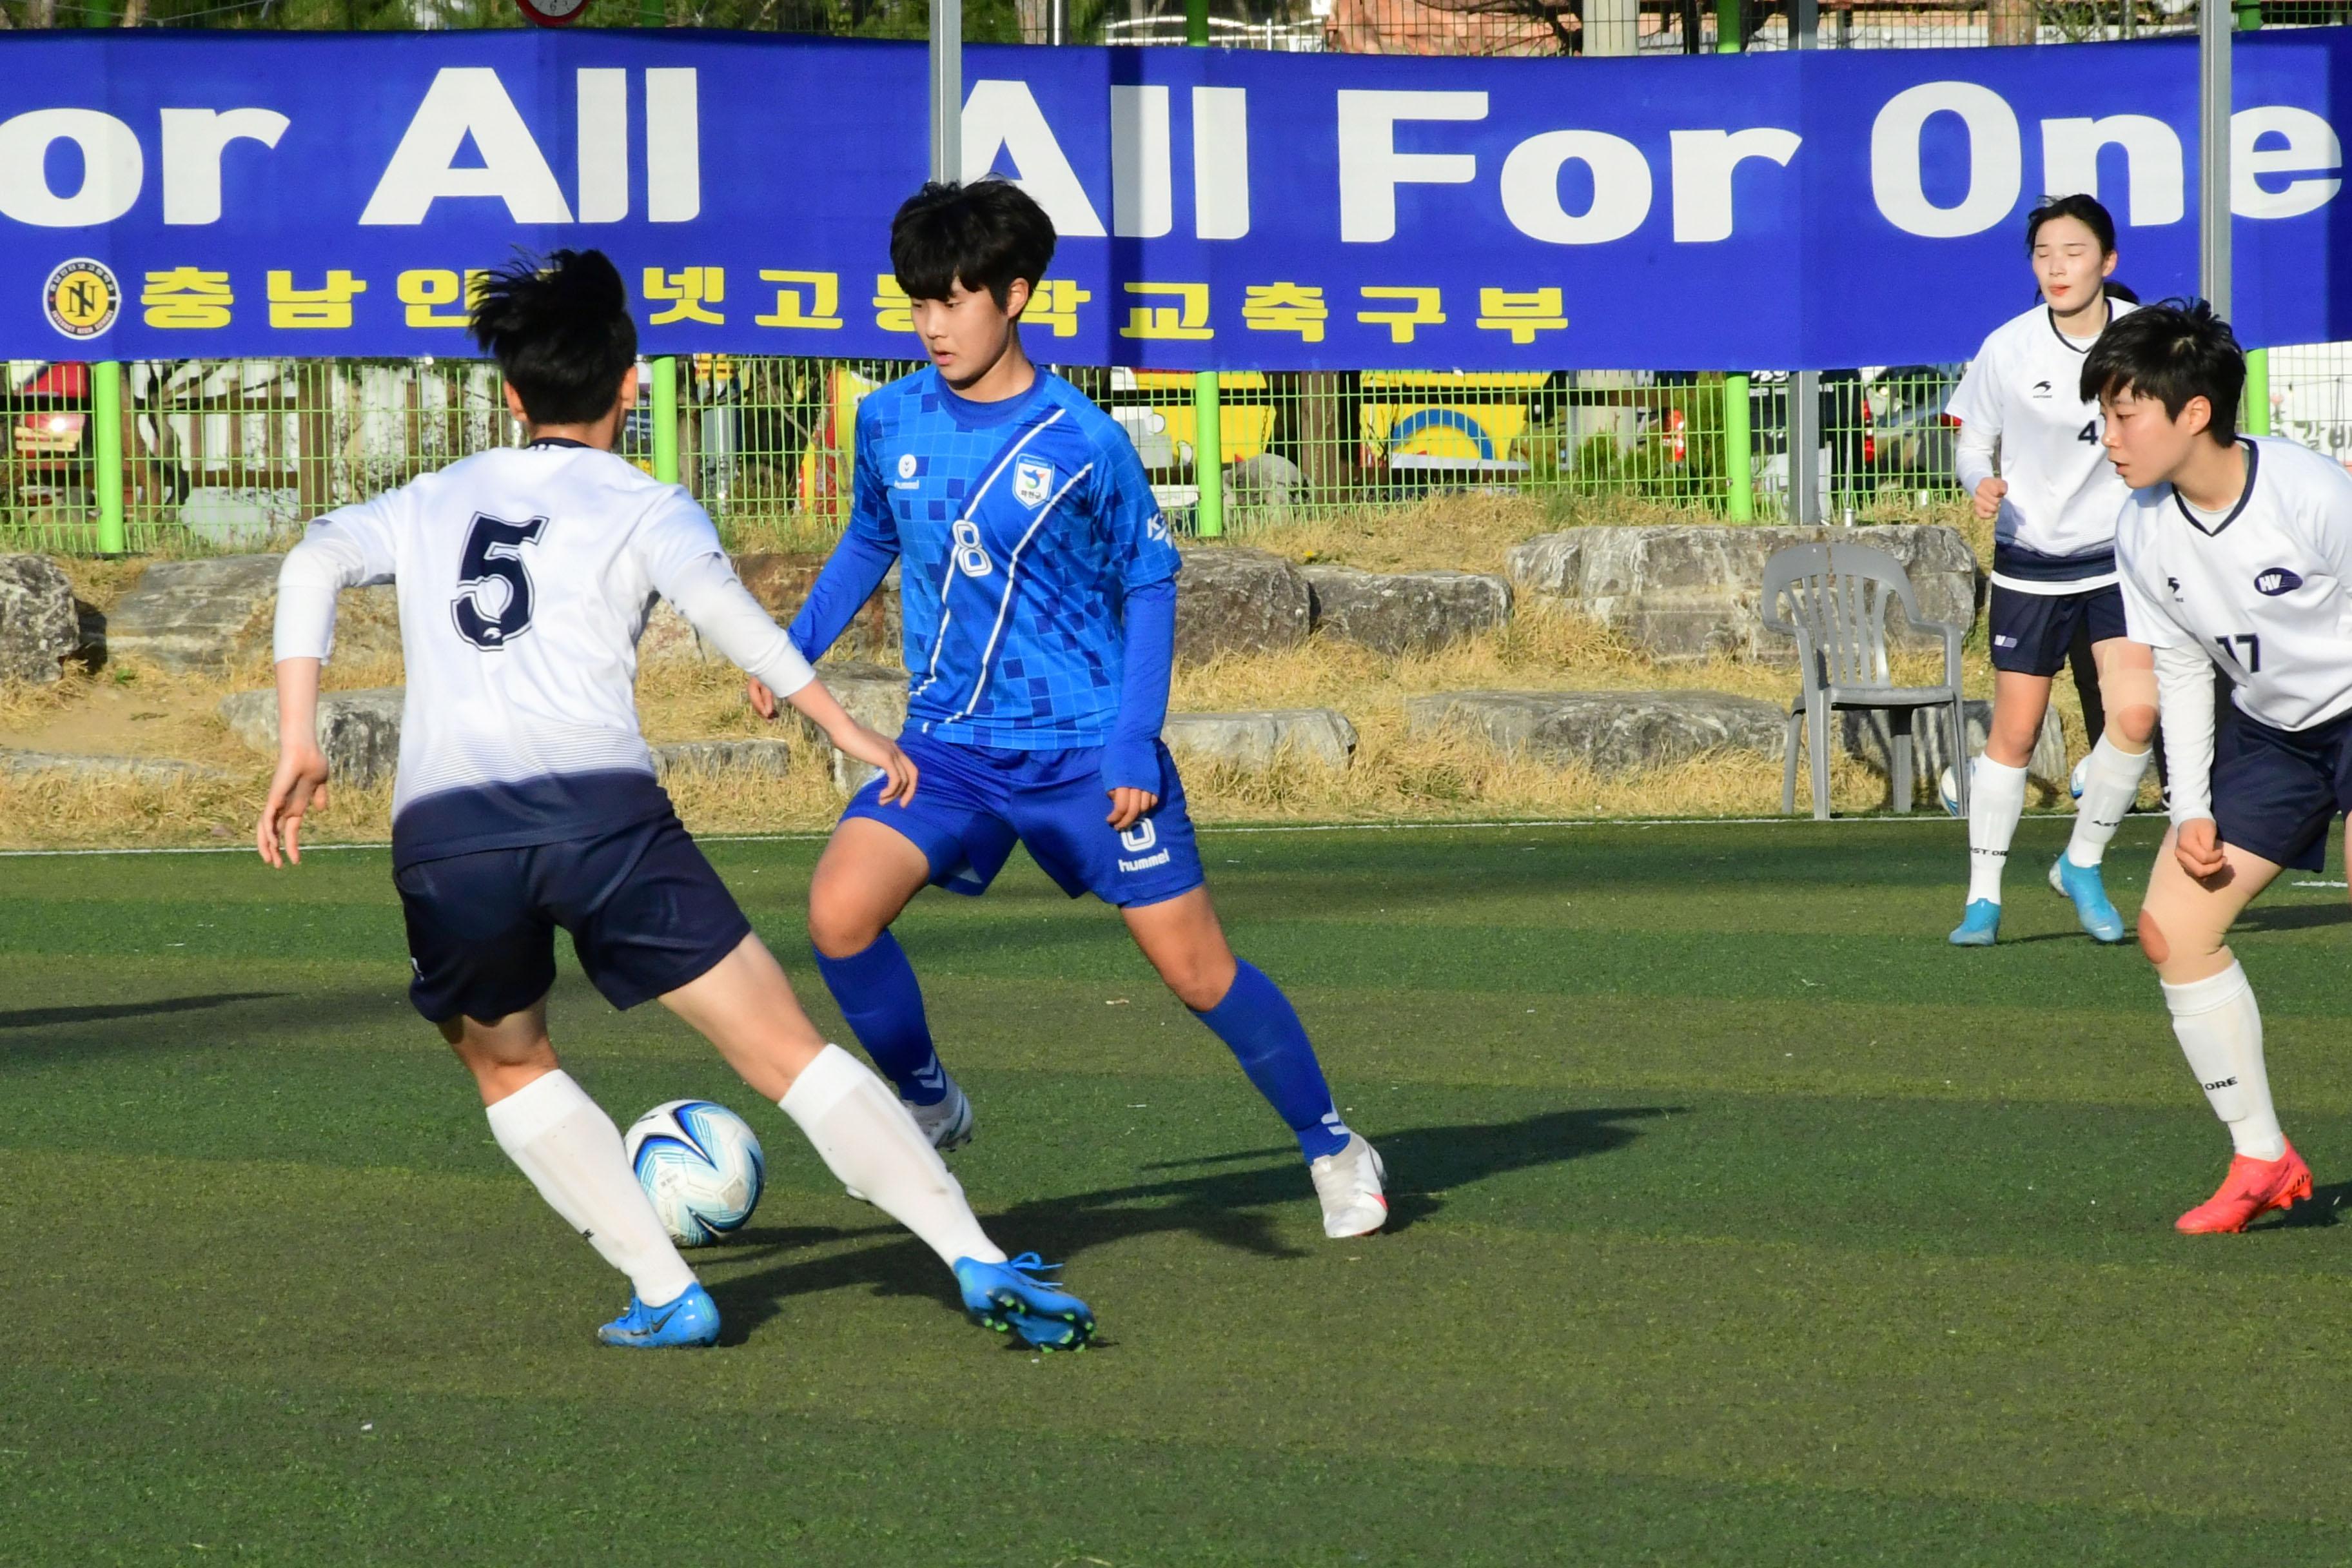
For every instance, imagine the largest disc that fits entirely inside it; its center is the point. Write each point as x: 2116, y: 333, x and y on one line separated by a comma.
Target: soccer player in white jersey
x: 526, y: 801
x: 2053, y: 504
x: 2235, y: 553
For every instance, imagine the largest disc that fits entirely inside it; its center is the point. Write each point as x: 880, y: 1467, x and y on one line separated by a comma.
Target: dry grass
x: 1394, y: 775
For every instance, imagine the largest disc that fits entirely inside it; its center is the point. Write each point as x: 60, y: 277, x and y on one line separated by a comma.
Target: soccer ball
x: 2075, y: 780
x: 701, y: 1165
x: 1948, y: 790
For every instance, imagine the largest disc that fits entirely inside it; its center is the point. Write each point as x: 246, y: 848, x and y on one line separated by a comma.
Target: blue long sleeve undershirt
x: 851, y: 573
x: 1130, y: 757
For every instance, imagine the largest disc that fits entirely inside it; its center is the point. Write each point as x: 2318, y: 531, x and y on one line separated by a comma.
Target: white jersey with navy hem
x: 525, y: 576
x: 2263, y: 591
x: 2055, y: 533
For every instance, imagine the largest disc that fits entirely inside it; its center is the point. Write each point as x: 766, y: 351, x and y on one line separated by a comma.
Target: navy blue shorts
x: 972, y: 803
x: 646, y: 911
x: 2275, y: 792
x: 2031, y: 633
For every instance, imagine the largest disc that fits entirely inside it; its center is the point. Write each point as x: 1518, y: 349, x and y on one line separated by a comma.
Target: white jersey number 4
x: 494, y: 551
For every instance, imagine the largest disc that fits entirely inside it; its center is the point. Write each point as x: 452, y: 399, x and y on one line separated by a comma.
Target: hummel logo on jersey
x: 1032, y: 482
x: 2276, y: 581
x: 910, y: 471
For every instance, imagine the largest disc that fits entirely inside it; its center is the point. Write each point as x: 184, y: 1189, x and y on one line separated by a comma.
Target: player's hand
x: 762, y: 700
x: 1987, y: 501
x: 299, y: 785
x: 2198, y: 847
x: 1129, y: 807
x: 854, y: 738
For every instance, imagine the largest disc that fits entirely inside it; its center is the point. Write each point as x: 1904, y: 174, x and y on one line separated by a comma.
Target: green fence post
x: 1728, y: 38
x: 106, y: 411
x: 662, y: 414
x: 1739, y: 450
x: 1208, y: 435
x: 2256, y: 413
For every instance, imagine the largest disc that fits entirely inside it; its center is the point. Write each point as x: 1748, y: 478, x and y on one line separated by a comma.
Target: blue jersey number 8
x: 494, y: 549
x: 971, y: 554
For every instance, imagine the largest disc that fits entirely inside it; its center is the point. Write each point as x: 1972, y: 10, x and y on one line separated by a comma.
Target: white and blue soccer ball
x: 2081, y: 775
x: 1948, y: 790
x: 701, y: 1165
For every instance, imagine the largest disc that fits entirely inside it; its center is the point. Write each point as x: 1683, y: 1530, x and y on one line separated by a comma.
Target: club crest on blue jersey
x: 1032, y: 482
x: 2276, y: 581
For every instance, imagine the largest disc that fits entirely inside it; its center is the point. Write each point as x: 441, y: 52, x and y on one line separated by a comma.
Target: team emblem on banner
x: 1032, y: 482
x: 81, y: 297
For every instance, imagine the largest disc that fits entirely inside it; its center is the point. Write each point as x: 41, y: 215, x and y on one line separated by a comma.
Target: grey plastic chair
x: 1835, y: 600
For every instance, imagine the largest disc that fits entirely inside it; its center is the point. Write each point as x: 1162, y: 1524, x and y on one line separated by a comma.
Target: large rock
x: 1690, y: 591
x: 873, y: 696
x: 100, y: 769
x: 1230, y: 599
x: 39, y: 625
x: 1253, y: 743
x: 1404, y: 612
x: 768, y: 759
x: 1266, y: 487
x: 1608, y: 731
x: 781, y: 581
x: 359, y: 730
x: 194, y: 617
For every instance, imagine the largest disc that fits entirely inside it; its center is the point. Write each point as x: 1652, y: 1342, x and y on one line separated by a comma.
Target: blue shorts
x: 2032, y: 633
x: 646, y: 911
x: 972, y: 803
x: 2275, y: 792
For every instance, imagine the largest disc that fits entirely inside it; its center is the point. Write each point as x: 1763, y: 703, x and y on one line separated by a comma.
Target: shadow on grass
x: 2318, y: 1210
x: 50, y: 1017
x: 2295, y: 917
x: 1228, y: 1201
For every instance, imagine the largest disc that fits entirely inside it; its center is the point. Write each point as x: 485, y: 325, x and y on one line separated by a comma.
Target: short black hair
x: 559, y: 328
x: 2172, y: 352
x: 983, y: 236
x: 2124, y: 291
x: 2084, y: 209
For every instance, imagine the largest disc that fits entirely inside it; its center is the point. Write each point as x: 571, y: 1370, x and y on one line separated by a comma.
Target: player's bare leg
x: 867, y: 875
x: 1996, y: 797
x: 2112, y: 776
x: 570, y: 1149
x: 1186, y: 943
x: 2184, y: 929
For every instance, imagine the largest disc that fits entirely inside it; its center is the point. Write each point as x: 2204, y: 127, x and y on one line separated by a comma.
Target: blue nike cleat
x: 688, y: 1322
x: 1980, y: 927
x: 2083, y: 884
x: 1010, y: 1297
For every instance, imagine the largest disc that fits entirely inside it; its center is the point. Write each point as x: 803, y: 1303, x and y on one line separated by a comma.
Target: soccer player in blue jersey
x: 525, y: 800
x: 1039, y: 586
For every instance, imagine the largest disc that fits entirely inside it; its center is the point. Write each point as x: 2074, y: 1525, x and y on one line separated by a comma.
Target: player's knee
x: 2134, y: 726
x: 2151, y: 940
x: 839, y: 930
x: 1198, y: 980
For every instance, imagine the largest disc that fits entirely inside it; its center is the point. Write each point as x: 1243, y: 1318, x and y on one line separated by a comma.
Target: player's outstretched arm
x: 869, y: 746
x: 301, y: 783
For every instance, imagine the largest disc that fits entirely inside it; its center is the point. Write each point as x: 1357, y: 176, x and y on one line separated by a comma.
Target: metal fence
x: 229, y: 454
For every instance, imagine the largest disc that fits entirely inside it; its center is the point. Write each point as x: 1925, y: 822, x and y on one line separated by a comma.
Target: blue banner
x: 182, y: 196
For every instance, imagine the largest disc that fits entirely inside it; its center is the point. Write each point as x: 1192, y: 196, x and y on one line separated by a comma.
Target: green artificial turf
x: 1737, y: 1220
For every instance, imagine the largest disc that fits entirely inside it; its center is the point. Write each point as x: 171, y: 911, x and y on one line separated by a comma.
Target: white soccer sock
x: 572, y: 1151
x: 1996, y: 800
x: 2110, y: 786
x: 867, y: 1138
x: 2220, y: 1033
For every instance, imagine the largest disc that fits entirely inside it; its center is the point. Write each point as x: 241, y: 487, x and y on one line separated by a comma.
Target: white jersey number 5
x: 494, y: 550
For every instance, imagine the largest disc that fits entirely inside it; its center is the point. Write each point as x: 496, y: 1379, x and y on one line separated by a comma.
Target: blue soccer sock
x: 877, y: 993
x: 1257, y: 1021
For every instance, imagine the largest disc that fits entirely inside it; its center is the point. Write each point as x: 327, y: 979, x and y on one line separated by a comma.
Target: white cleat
x: 1349, y: 1183
x: 948, y: 1124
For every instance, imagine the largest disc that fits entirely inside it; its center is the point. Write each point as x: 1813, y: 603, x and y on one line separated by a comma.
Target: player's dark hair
x: 2171, y: 352
x: 983, y: 236
x: 2124, y: 291
x: 559, y: 328
x: 2084, y: 209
